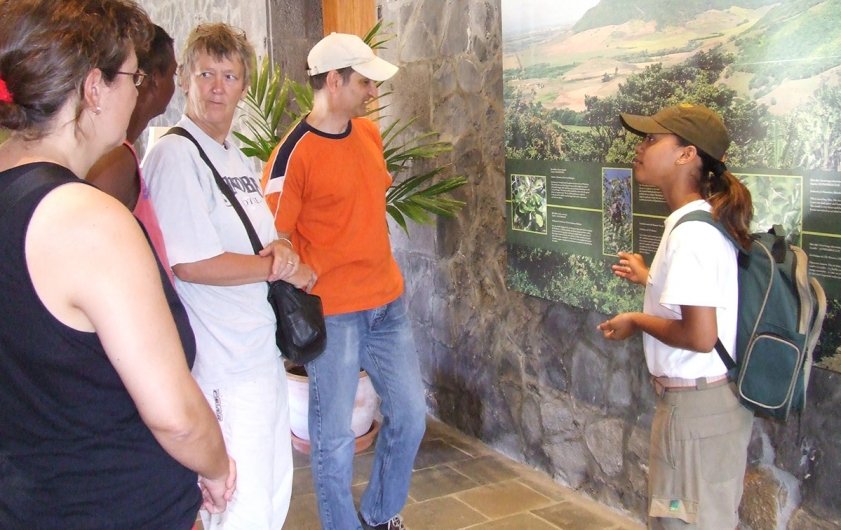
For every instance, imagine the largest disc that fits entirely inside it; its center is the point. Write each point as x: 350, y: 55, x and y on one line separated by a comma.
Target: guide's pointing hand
x: 631, y: 267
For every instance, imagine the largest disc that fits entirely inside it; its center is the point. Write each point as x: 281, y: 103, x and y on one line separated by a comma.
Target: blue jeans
x: 380, y: 341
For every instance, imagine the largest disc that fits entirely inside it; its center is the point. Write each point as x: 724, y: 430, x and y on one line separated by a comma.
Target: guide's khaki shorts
x: 697, y: 458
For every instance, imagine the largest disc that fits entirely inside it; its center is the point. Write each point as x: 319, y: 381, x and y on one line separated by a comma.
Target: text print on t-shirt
x: 247, y: 185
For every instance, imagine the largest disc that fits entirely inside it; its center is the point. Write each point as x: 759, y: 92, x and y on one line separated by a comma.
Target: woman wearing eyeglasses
x: 221, y: 280
x: 101, y: 424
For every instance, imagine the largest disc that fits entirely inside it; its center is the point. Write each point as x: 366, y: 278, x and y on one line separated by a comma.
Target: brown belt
x: 664, y: 384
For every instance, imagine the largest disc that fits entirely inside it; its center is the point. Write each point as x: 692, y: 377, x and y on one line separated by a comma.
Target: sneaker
x: 395, y: 523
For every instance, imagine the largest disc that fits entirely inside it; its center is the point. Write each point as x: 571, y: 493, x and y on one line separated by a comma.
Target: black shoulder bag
x: 301, y: 334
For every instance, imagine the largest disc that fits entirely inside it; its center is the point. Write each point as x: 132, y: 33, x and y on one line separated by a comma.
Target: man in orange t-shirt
x: 326, y: 184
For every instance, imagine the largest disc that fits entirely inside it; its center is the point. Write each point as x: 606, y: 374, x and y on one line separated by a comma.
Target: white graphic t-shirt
x: 234, y: 325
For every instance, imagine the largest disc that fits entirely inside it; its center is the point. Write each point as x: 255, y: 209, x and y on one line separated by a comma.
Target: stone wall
x: 295, y: 26
x: 529, y: 377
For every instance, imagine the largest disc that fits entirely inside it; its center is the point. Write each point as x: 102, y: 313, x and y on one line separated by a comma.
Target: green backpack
x: 781, y: 311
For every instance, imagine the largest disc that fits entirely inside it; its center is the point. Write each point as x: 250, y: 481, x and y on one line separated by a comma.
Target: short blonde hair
x: 220, y: 41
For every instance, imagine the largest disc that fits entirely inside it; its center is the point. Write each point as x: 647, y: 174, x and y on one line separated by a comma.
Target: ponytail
x: 730, y: 199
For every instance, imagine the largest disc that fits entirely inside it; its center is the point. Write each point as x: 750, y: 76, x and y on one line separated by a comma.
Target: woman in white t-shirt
x: 700, y: 431
x: 221, y: 281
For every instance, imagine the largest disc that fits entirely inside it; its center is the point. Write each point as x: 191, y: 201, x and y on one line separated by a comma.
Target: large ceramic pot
x: 362, y: 422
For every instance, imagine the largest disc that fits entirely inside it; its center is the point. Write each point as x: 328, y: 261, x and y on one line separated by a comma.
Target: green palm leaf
x: 274, y: 102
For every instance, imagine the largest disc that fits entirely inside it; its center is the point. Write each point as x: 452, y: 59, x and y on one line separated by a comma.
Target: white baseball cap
x: 340, y: 50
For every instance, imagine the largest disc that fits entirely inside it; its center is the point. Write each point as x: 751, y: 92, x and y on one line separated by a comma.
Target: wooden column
x: 349, y: 16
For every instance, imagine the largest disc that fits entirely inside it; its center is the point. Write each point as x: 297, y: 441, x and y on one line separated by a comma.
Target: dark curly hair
x: 159, y: 57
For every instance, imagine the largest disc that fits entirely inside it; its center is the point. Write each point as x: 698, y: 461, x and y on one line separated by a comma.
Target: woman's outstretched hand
x: 631, y: 267
x: 619, y: 327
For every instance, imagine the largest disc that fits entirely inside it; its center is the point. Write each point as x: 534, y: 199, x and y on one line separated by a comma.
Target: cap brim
x: 376, y: 69
x: 641, y: 125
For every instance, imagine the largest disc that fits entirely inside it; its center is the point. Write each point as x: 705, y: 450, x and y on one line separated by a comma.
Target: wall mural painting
x: 772, y: 69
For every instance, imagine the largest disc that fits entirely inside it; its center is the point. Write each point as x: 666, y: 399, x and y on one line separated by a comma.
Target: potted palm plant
x: 274, y: 105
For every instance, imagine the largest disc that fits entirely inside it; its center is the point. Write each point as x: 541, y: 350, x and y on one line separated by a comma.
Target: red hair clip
x: 5, y: 95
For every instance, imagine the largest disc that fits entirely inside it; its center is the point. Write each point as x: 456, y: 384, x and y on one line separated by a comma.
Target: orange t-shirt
x: 328, y: 192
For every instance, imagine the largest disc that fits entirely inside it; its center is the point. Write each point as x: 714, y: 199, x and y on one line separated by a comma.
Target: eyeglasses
x: 136, y: 77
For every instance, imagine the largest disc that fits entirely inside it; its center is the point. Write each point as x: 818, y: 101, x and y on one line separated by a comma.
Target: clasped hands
x: 216, y: 493
x: 287, y: 265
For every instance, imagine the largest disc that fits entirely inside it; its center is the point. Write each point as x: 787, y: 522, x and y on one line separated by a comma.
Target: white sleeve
x: 182, y: 190
x: 699, y: 259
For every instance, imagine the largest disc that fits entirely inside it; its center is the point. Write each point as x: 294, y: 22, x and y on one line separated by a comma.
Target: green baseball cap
x: 696, y: 124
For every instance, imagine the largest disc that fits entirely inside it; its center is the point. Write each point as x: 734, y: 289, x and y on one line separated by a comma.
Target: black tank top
x: 74, y: 452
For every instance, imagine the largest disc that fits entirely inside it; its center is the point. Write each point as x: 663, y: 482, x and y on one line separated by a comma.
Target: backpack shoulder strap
x: 706, y: 217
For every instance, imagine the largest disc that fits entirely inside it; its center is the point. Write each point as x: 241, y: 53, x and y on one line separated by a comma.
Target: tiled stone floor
x: 461, y: 483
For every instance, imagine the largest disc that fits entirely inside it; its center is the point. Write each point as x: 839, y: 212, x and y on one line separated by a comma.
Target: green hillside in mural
x: 795, y: 40
x: 778, y: 49
x: 663, y: 12
x: 769, y: 73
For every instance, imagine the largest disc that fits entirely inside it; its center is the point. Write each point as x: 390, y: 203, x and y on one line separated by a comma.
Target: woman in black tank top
x: 101, y: 423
